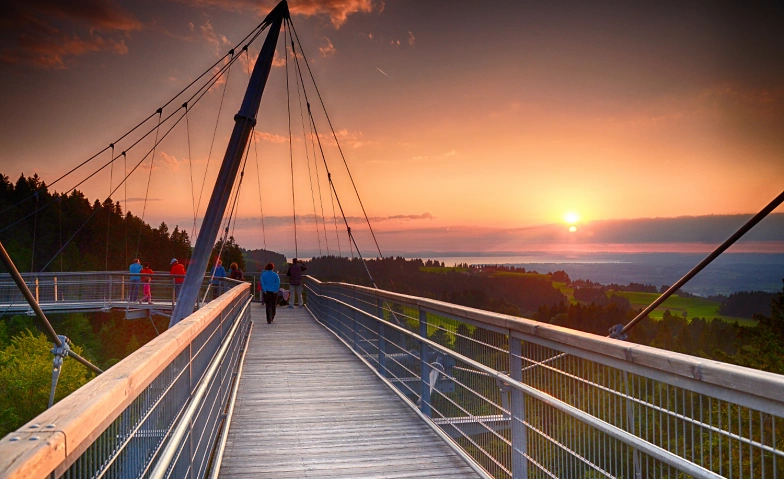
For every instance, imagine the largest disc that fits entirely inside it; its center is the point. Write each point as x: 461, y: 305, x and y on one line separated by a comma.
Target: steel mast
x: 245, y: 120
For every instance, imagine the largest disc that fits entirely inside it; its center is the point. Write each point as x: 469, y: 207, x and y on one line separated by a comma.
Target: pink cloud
x: 327, y: 48
x: 338, y: 11
x: 31, y: 32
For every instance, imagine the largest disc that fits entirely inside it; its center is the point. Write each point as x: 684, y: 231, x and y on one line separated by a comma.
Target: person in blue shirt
x: 135, y: 269
x: 218, y: 272
x: 270, y: 282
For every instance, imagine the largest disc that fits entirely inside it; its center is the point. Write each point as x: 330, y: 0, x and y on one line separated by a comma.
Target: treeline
x: 746, y: 303
x: 760, y: 346
x: 516, y: 295
x: 37, y: 223
x: 257, y: 259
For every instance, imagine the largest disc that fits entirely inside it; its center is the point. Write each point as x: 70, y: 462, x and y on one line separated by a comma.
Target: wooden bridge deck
x: 308, y: 408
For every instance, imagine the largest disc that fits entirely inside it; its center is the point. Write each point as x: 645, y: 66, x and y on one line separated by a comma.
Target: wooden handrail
x: 67, y: 429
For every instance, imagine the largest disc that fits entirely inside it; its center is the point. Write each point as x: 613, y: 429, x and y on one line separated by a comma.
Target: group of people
x: 270, y: 286
x: 218, y: 273
x: 138, y: 278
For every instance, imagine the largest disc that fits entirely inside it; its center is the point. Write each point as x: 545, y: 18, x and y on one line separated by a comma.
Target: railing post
x: 425, y: 367
x: 630, y: 424
x: 36, y: 290
x: 110, y: 289
x: 517, y: 416
x: 354, y: 322
x: 122, y: 288
x: 382, y: 345
x: 55, y: 289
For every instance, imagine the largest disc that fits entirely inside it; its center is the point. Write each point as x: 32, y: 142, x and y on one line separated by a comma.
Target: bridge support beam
x: 245, y: 120
x: 519, y: 431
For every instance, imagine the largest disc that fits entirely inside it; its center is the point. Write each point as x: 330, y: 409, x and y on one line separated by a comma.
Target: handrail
x: 518, y: 395
x: 731, y: 376
x: 57, y: 437
x: 615, y: 432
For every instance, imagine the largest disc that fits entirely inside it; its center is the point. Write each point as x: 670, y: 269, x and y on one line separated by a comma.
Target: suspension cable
x: 35, y: 233
x: 334, y: 135
x: 109, y: 211
x: 147, y: 191
x: 212, y: 143
x: 190, y: 163
x: 261, y: 205
x: 253, y: 33
x: 310, y: 173
x: 199, y: 93
x: 291, y: 146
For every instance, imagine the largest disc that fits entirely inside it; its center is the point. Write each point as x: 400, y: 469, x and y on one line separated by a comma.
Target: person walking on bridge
x: 146, y: 282
x: 135, y: 269
x: 270, y: 282
x: 178, y: 271
x: 218, y: 274
x: 295, y: 282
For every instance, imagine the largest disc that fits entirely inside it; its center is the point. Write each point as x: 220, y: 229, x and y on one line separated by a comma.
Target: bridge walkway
x: 308, y: 408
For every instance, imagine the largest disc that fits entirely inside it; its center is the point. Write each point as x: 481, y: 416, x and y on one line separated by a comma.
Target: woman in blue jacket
x: 270, y: 282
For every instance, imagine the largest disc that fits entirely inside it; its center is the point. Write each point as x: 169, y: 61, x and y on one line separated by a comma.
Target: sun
x: 571, y: 217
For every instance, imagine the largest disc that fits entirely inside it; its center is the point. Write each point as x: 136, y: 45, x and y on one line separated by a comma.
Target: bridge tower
x: 245, y: 120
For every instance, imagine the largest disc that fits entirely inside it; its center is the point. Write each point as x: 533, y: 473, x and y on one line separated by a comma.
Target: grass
x: 527, y: 275
x: 694, y: 307
x: 439, y: 269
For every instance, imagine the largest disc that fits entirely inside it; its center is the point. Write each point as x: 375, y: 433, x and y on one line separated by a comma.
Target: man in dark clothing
x: 295, y: 282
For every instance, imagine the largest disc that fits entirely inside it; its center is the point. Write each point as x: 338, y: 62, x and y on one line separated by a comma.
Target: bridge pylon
x: 244, y: 121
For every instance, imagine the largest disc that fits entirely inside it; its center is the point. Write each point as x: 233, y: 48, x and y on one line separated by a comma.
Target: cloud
x: 47, y: 33
x: 218, y: 42
x: 338, y: 11
x: 411, y: 39
x: 286, y: 221
x: 271, y: 137
x: 327, y: 49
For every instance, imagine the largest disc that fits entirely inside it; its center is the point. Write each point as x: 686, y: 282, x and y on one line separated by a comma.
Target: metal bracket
x: 616, y: 332
x: 60, y: 353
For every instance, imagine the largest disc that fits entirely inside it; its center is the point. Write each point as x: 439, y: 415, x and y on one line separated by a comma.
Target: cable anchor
x: 616, y: 332
x: 60, y: 353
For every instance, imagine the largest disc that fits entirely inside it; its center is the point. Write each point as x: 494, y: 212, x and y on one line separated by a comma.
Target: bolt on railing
x: 527, y: 399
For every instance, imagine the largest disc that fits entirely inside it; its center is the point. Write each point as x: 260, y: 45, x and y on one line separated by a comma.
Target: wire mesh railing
x: 528, y: 400
x: 157, y: 413
x: 99, y: 290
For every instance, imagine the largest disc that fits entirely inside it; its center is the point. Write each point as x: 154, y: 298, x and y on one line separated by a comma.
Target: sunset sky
x: 466, y: 125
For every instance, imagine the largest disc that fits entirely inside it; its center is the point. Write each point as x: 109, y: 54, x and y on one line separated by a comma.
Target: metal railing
x: 526, y: 399
x: 97, y: 290
x: 157, y: 413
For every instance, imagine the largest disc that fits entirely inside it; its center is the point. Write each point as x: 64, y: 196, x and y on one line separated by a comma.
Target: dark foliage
x: 35, y: 240
x: 746, y: 304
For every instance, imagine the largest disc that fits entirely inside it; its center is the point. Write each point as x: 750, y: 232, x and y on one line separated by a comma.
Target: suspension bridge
x: 364, y: 382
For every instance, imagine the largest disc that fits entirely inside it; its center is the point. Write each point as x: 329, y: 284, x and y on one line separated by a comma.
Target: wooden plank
x: 307, y: 407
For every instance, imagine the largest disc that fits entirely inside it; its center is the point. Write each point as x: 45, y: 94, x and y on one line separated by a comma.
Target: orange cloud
x: 30, y: 31
x: 327, y: 48
x: 337, y: 10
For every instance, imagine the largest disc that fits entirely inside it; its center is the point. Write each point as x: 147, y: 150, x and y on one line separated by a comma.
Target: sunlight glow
x: 572, y: 229
x: 571, y: 217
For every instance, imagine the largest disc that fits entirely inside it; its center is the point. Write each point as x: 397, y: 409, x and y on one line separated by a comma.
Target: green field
x: 694, y: 307
x: 439, y: 269
x: 528, y: 275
